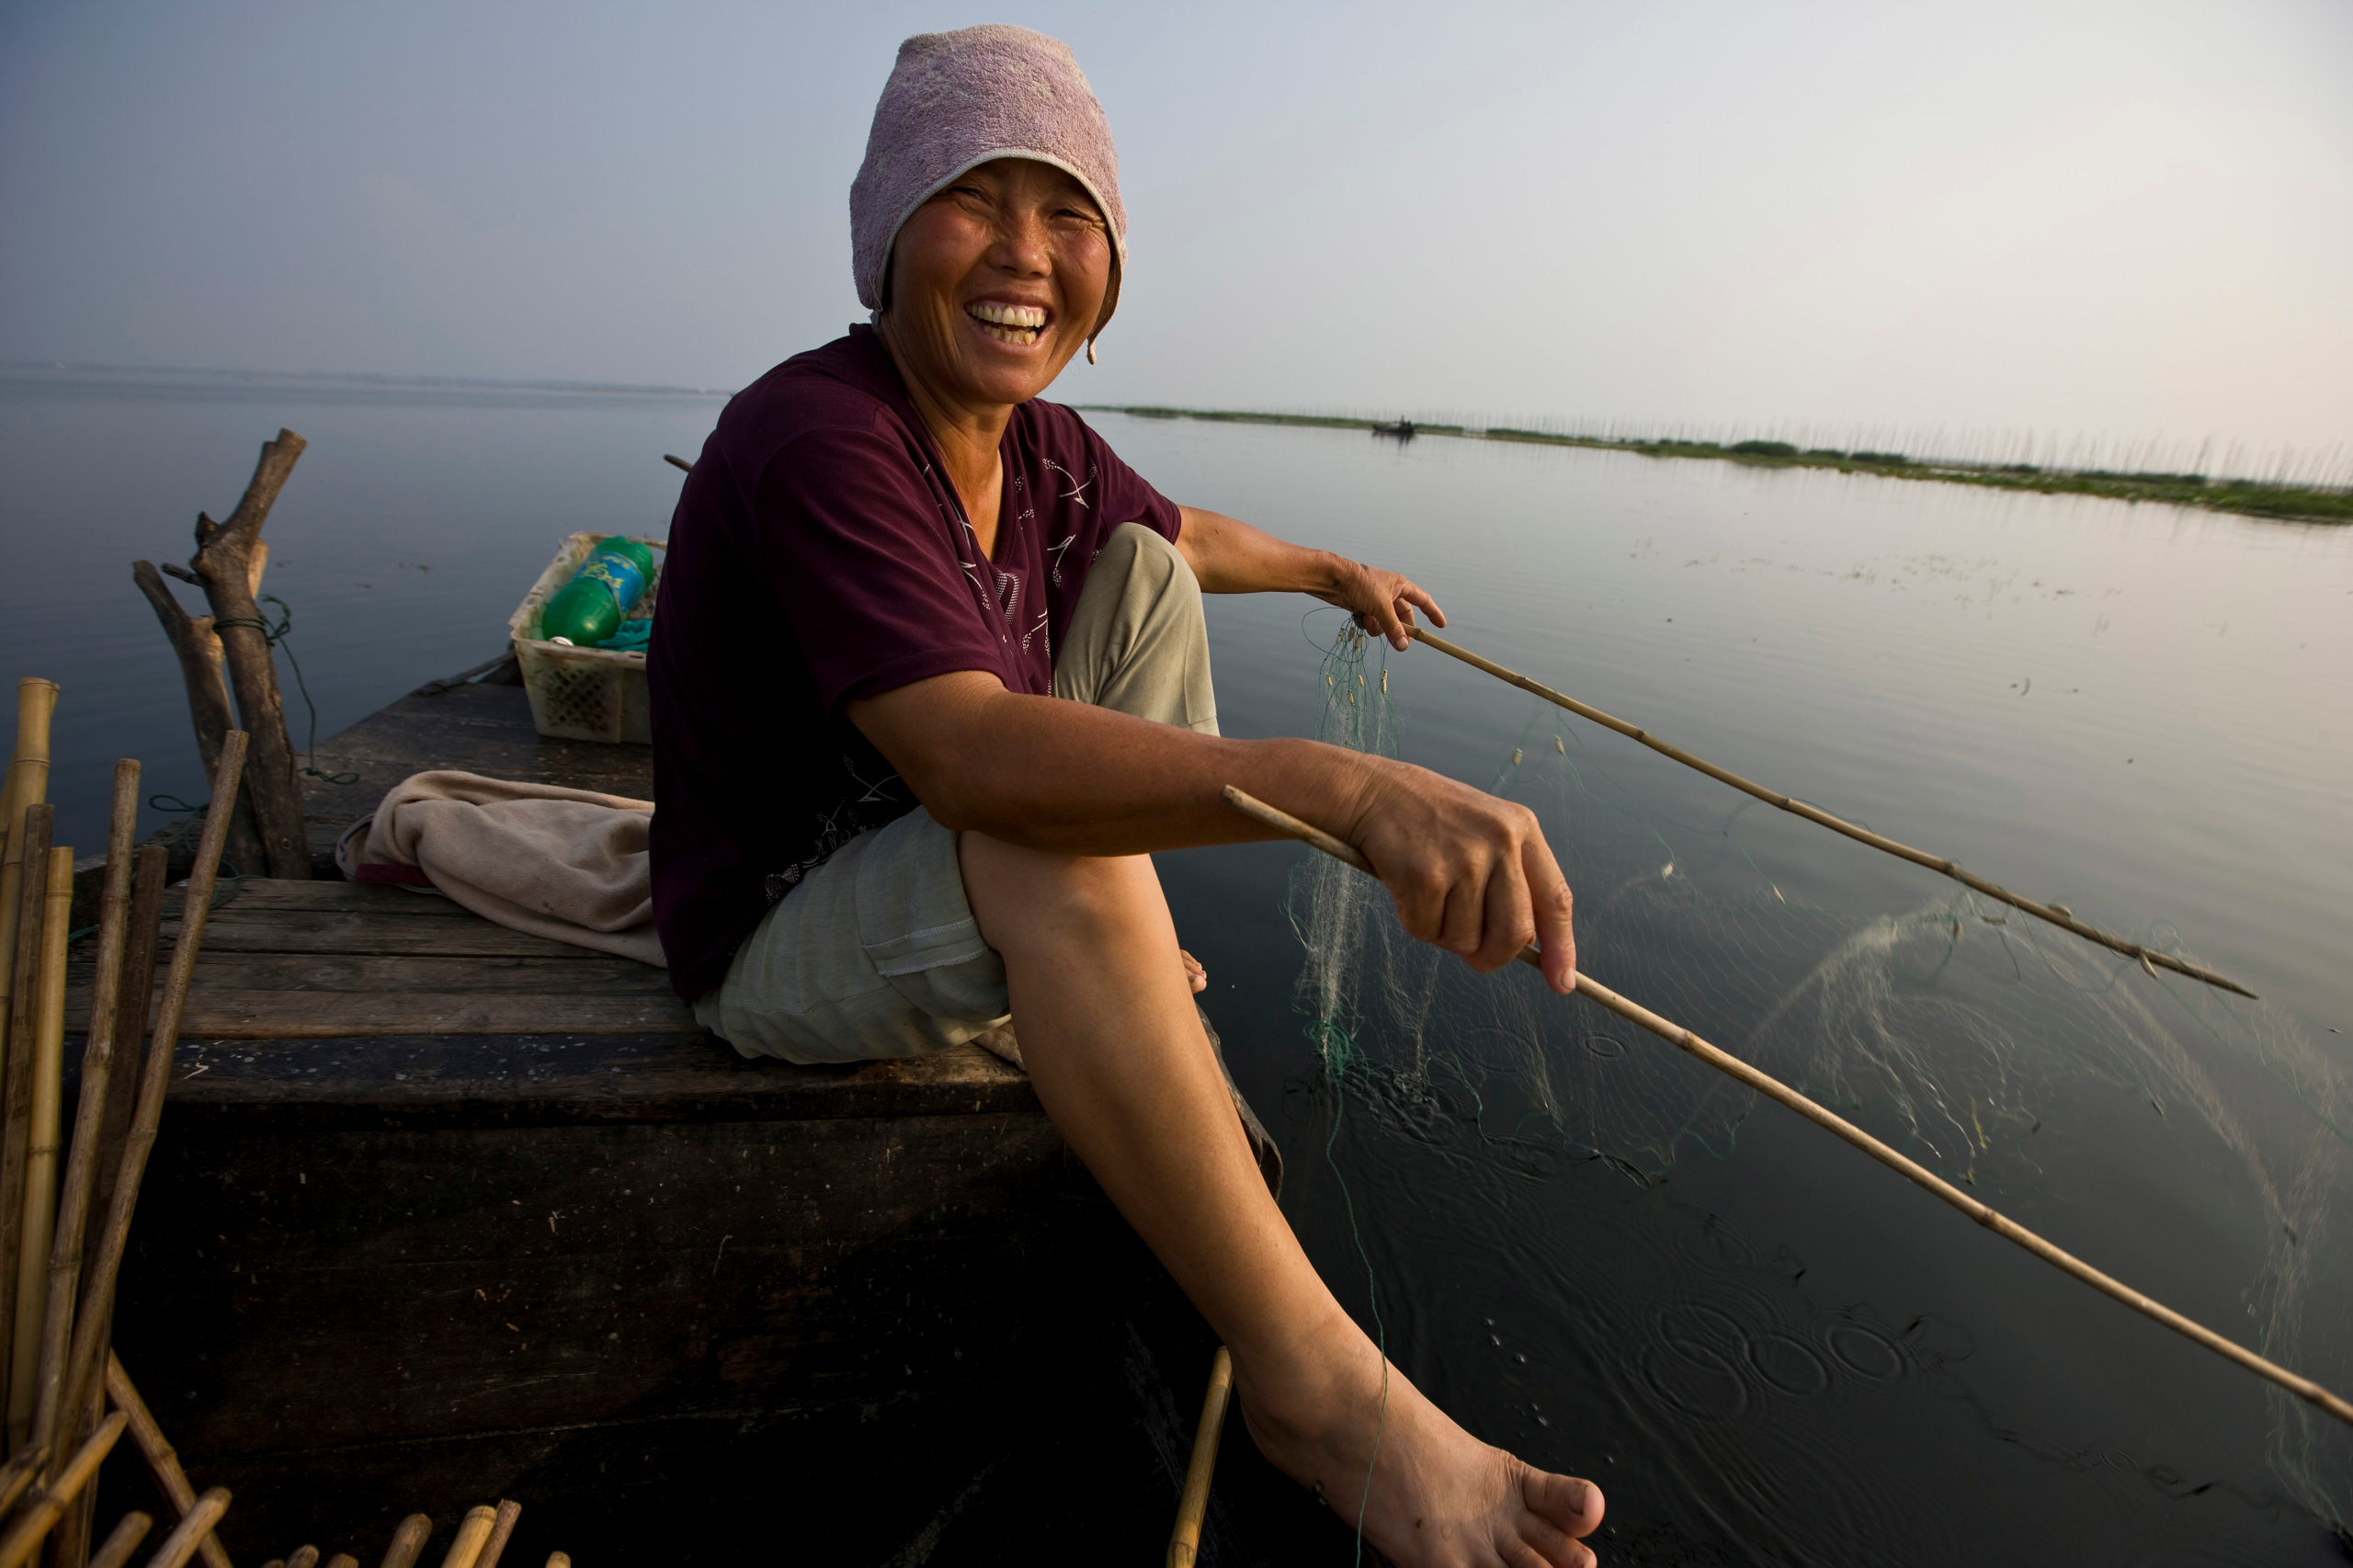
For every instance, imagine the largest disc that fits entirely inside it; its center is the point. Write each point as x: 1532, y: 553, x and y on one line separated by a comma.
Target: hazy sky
x: 2125, y: 218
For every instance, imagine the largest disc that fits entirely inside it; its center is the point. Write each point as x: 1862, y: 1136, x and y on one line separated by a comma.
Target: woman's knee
x: 1028, y: 897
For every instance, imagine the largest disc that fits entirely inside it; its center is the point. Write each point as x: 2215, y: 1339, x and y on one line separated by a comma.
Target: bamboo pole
x: 304, y: 1557
x: 473, y: 1534
x: 408, y: 1540
x: 1774, y: 1089
x: 34, y: 1521
x: 155, y: 1074
x: 75, y: 1530
x: 18, y: 1473
x: 559, y: 1560
x: 2051, y: 913
x: 97, y: 1063
x: 28, y: 785
x: 495, y: 1547
x: 123, y: 1541
x: 16, y: 1079
x: 162, y: 1458
x: 1185, y: 1545
x: 343, y: 1560
x: 46, y: 1130
x: 181, y: 1544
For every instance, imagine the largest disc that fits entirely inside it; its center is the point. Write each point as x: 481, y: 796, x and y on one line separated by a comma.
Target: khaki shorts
x: 876, y: 953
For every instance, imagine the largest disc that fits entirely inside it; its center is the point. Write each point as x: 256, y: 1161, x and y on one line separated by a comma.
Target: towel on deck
x: 570, y: 864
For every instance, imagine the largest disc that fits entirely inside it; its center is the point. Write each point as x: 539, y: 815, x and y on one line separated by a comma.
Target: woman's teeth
x: 1019, y: 325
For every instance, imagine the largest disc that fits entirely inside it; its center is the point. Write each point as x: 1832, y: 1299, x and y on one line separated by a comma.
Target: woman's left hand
x: 1382, y: 601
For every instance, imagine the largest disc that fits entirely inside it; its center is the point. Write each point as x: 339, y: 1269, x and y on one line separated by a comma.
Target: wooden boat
x: 443, y: 1211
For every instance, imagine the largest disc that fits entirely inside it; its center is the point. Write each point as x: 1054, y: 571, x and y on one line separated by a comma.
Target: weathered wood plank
x: 324, y: 931
x: 303, y: 1015
x: 556, y: 1079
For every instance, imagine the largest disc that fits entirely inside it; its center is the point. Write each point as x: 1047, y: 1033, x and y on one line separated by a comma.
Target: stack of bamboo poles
x: 67, y: 1399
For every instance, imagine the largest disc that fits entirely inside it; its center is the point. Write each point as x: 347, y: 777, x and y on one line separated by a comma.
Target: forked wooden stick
x: 97, y: 1065
x: 2051, y: 913
x: 162, y: 1458
x: 1774, y: 1089
x: 1185, y: 1545
x: 40, y: 1515
x: 155, y: 1078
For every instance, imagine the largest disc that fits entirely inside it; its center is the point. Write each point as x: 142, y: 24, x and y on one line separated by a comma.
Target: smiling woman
x: 931, y: 686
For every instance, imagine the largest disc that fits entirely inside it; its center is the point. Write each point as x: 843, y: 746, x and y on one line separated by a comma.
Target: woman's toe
x: 1565, y: 1501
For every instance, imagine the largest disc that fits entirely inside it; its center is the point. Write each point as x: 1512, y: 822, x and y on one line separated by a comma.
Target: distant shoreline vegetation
x: 2299, y: 502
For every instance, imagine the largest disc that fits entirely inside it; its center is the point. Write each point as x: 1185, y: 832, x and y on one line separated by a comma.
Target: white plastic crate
x: 584, y: 694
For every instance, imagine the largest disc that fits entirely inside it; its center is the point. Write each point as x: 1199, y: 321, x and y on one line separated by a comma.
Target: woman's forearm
x: 1229, y: 556
x: 1050, y: 774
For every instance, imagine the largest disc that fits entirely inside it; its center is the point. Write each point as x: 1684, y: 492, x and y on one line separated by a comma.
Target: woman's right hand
x: 1470, y: 872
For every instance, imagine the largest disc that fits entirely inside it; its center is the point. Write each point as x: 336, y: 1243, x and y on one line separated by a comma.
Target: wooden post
x: 47, y: 1133
x: 227, y: 565
x: 28, y: 784
x: 197, y: 648
x: 17, y: 1082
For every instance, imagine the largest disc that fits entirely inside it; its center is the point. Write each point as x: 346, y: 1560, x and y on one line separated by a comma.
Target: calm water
x: 1764, y: 1348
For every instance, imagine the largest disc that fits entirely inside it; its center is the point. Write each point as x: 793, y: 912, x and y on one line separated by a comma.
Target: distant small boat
x: 1402, y: 430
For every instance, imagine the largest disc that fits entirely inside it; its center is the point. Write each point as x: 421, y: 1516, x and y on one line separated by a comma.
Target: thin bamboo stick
x: 162, y: 1458
x: 16, y: 1079
x: 1185, y: 1545
x: 156, y: 1075
x: 123, y: 1541
x: 78, y: 1528
x: 28, y: 785
x: 473, y: 1534
x: 17, y: 1474
x: 181, y: 1544
x: 37, y: 1517
x: 495, y: 1547
x: 408, y: 1540
x: 97, y: 1065
x: 1774, y: 1089
x: 1939, y: 863
x: 46, y: 1132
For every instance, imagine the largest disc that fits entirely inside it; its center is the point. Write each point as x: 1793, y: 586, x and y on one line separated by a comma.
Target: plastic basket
x: 584, y: 694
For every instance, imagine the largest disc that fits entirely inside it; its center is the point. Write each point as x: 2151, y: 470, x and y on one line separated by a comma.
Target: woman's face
x: 996, y: 281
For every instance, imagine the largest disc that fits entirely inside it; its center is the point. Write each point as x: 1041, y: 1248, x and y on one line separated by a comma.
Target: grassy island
x: 2251, y: 497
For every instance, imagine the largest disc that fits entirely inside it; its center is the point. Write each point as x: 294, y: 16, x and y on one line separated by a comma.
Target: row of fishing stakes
x: 1774, y: 1089
x: 2150, y: 958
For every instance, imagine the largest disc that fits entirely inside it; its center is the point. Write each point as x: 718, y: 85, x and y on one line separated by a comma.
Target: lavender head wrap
x: 953, y: 102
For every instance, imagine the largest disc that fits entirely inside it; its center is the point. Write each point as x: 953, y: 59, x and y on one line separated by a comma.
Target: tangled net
x: 1948, y: 1029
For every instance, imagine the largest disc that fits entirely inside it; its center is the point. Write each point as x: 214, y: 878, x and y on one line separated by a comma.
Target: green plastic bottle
x: 589, y: 608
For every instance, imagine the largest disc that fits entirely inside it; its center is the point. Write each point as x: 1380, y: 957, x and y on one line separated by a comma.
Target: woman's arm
x: 1229, y: 556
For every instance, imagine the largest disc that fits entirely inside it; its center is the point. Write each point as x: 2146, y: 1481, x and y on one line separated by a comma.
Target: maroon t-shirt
x: 818, y: 555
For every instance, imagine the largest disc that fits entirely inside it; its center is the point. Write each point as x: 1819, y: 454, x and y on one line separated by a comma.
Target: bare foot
x: 1439, y: 1497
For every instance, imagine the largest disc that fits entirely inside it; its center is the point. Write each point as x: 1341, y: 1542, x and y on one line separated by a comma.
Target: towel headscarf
x: 956, y: 100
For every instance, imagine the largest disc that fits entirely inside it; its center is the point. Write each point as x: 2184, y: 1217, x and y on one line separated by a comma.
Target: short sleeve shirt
x: 819, y: 555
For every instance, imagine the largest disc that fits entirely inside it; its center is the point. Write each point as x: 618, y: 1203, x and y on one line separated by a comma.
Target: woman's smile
x: 1021, y: 325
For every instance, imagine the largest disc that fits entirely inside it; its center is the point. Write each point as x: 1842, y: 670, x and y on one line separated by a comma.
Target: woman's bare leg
x: 1112, y: 1041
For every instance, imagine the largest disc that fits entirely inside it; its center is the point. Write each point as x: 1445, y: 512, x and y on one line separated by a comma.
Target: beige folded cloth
x: 569, y: 864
